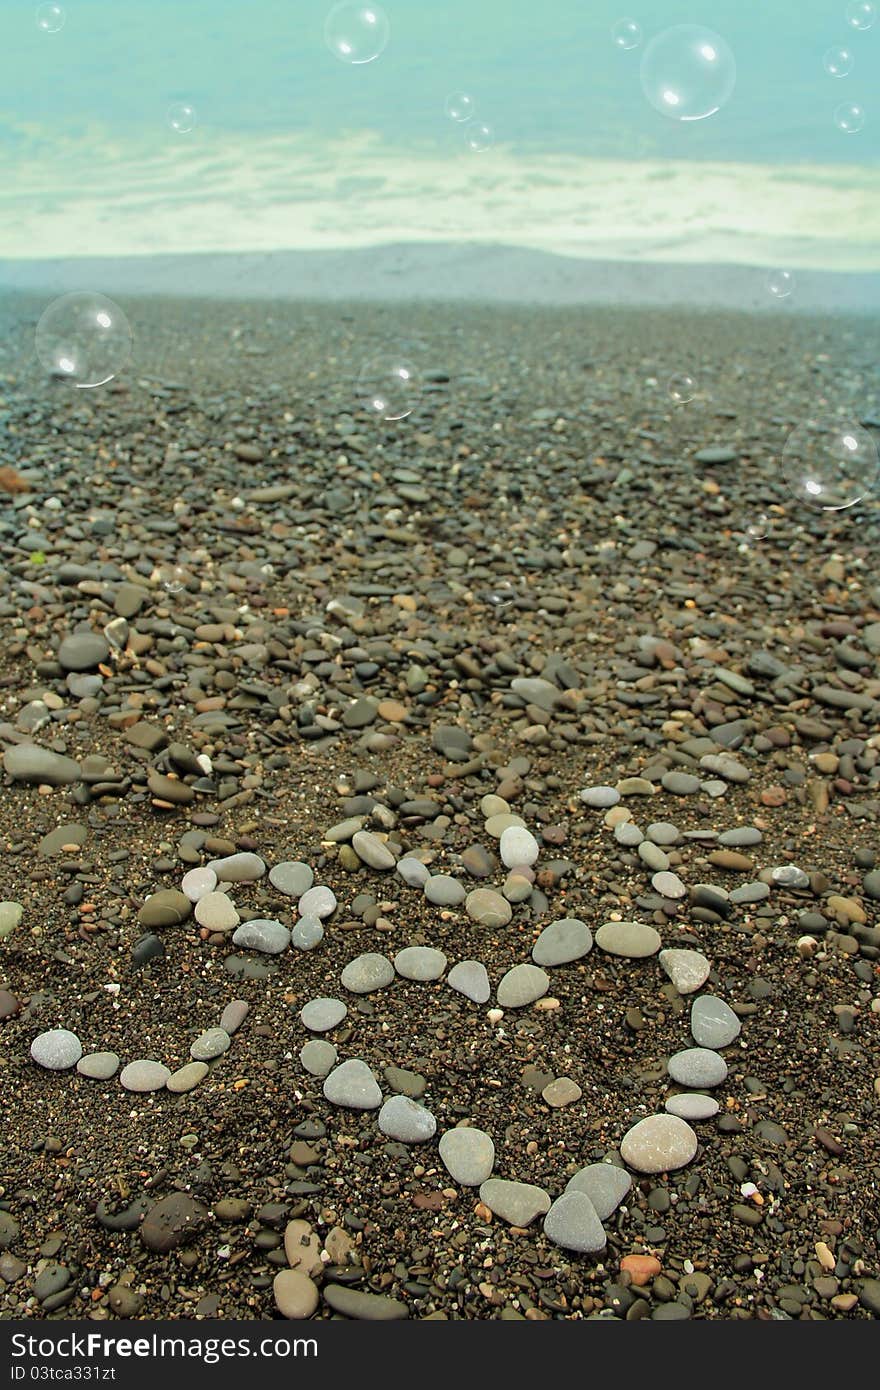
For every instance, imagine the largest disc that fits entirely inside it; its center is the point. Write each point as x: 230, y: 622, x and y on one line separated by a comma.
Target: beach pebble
x: 210, y: 1044
x: 296, y: 1295
x: 187, y: 1077
x: 27, y: 762
x: 515, y: 1202
x: 99, y: 1066
x: 713, y: 1023
x: 171, y: 1221
x: 562, y: 1091
x: 216, y: 912
x: 10, y: 916
x: 573, y: 1223
x: 600, y: 798
x: 262, y: 934
x: 234, y: 1015
x: 688, y: 970
x: 521, y: 986
x: 518, y: 846
x: 167, y: 908
x: 468, y: 1155
x: 352, y: 1084
x: 413, y: 872
x: 658, y: 1144
x: 318, y: 1057
x: 320, y: 1015
x: 373, y: 851
x: 366, y: 1307
x: 444, y: 891
x: 319, y: 901
x: 488, y: 908
x: 605, y: 1184
x: 56, y: 1050
x: 562, y: 941
x: 197, y: 883
x: 693, y: 1107
x: 630, y: 939
x: 697, y: 1066
x: 144, y: 1075
x: 243, y: 867
x: 420, y: 963
x: 669, y: 885
x: 403, y: 1119
x: 470, y: 978
x: 367, y: 973
x: 307, y: 933
x: 292, y: 878
x: 497, y: 824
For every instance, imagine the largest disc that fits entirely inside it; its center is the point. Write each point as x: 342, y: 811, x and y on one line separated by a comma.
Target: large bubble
x: 688, y: 72
x: 460, y: 106
x: 181, y: 117
x: 861, y: 14
x: 838, y: 62
x: 83, y: 338
x: 50, y: 18
x: 356, y: 33
x: 780, y: 283
x: 388, y: 387
x: 830, y: 463
x: 850, y: 117
x: 479, y: 137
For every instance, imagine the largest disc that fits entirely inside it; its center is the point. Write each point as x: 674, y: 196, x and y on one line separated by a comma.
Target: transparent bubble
x: 627, y: 33
x: 780, y: 283
x: 173, y: 578
x: 50, y: 18
x: 861, y: 14
x: 479, y: 137
x: 838, y: 62
x: 682, y: 388
x: 830, y: 464
x: 758, y: 528
x: 389, y: 387
x: 181, y: 117
x: 83, y: 338
x: 460, y: 107
x: 850, y: 117
x: 356, y: 33
x: 688, y: 72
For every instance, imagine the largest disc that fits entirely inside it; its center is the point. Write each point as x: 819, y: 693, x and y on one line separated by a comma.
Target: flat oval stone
x: 234, y: 1015
x: 470, y: 978
x: 697, y: 1066
x: 516, y: 1202
x: 210, y: 1044
x: 197, y: 883
x: 631, y: 939
x: 573, y: 1223
x: 668, y: 885
x: 319, y: 901
x: 167, y: 908
x: 688, y: 970
x: 292, y: 878
x: 658, y: 1144
x: 413, y: 871
x: 82, y: 651
x: 216, y: 912
x: 320, y: 1015
x: 518, y: 846
x: 605, y: 1184
x: 187, y: 1077
x: 28, y: 762
x: 98, y: 1066
x: 307, y: 933
x: 366, y: 1307
x: 373, y: 851
x: 405, y: 1120
x: 318, y: 1057
x: 420, y: 963
x: 599, y: 798
x: 353, y: 1085
x: 713, y: 1023
x: 488, y: 908
x: 367, y: 973
x: 468, y: 1155
x: 693, y: 1107
x: 144, y: 1075
x: 497, y: 824
x: 171, y: 1221
x: 243, y: 867
x: 262, y: 934
x: 444, y: 891
x: 57, y: 1049
x: 565, y: 940
x: 10, y: 916
x: 521, y: 986
x: 562, y: 1091
x: 296, y: 1295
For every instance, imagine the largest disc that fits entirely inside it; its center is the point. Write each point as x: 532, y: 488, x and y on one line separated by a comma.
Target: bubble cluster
x: 681, y: 388
x: 460, y: 106
x: 388, y: 387
x: 688, y: 72
x: 83, y: 338
x: 627, y: 33
x: 838, y: 62
x: 50, y: 18
x: 181, y: 117
x: 861, y: 14
x: 780, y: 283
x: 479, y: 136
x: 830, y: 464
x: 850, y: 117
x: 356, y: 33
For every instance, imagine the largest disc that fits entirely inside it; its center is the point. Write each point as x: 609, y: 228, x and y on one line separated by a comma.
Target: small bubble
x: 830, y: 464
x: 758, y: 528
x: 688, y: 72
x: 861, y: 14
x: 682, y: 388
x: 460, y: 107
x: 356, y: 33
x: 780, y: 283
x: 850, y: 117
x: 173, y: 578
x: 84, y: 339
x: 627, y: 33
x: 388, y: 388
x: 838, y: 62
x: 50, y: 18
x: 181, y: 117
x: 479, y: 137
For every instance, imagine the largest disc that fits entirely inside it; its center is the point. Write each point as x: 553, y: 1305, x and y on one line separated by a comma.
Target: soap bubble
x: 50, y: 18
x: 83, y: 338
x: 479, y: 137
x: 181, y: 117
x: 861, y: 14
x: 780, y: 283
x: 173, y: 578
x: 758, y: 528
x: 838, y: 62
x: 388, y: 387
x: 850, y: 117
x: 627, y: 33
x: 830, y: 464
x: 460, y: 107
x: 688, y: 72
x: 682, y: 388
x: 356, y: 33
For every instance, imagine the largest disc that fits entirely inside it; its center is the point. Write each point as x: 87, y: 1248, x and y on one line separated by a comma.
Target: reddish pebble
x: 641, y: 1268
x: 773, y: 796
